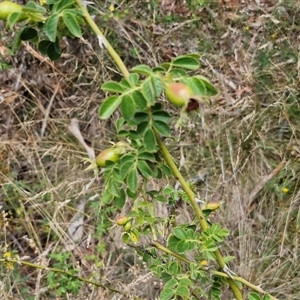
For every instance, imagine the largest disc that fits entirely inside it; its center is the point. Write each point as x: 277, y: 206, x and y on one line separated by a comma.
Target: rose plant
x: 144, y: 124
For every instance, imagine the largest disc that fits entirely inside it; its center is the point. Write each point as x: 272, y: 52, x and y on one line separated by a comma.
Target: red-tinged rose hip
x: 178, y: 93
x: 122, y: 220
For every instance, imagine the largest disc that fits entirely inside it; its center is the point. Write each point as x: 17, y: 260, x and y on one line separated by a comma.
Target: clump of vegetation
x: 128, y: 215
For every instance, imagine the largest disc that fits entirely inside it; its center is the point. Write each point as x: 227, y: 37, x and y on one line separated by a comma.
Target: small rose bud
x: 211, y: 206
x: 204, y: 263
x: 134, y: 237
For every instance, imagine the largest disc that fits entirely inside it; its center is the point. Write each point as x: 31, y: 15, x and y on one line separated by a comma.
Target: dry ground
x: 246, y: 144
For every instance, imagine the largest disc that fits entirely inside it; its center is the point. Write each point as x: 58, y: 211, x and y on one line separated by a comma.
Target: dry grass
x: 251, y: 53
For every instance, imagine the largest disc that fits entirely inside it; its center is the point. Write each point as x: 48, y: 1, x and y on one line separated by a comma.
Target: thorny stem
x: 217, y: 273
x: 103, y: 41
x: 175, y: 171
x: 56, y: 270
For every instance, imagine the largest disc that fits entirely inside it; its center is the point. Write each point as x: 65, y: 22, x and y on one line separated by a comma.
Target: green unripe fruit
x: 122, y: 220
x: 7, y: 8
x: 178, y: 93
x: 212, y: 206
x: 111, y: 154
x: 127, y: 226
